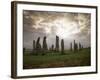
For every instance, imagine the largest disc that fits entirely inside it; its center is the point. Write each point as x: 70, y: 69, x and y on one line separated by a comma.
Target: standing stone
x: 45, y: 47
x: 57, y: 44
x: 71, y: 46
x: 52, y: 47
x: 75, y: 46
x: 62, y: 46
x: 45, y: 44
x: 38, y: 46
x: 34, y: 44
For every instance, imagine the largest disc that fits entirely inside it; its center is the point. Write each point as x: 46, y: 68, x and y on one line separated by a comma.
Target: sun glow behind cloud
x: 63, y: 28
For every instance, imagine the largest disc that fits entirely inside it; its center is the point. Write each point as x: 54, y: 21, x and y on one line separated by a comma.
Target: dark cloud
x: 68, y: 26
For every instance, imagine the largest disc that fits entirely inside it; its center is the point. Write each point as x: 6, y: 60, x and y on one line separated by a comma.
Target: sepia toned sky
x: 66, y: 25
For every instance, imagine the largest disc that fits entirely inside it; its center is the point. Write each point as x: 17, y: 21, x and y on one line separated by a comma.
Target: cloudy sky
x: 68, y: 26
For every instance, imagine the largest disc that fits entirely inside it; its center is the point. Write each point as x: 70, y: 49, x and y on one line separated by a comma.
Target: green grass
x: 70, y: 59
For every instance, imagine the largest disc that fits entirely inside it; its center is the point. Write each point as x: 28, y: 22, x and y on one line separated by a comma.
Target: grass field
x: 51, y: 60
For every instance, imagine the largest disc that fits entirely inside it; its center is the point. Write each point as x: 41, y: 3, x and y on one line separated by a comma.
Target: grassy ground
x: 70, y: 59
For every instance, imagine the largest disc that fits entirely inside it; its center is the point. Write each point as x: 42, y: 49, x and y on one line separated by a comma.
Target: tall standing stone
x: 45, y: 47
x: 34, y: 44
x: 62, y: 46
x: 57, y: 43
x: 75, y: 46
x: 38, y: 46
x: 71, y: 46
